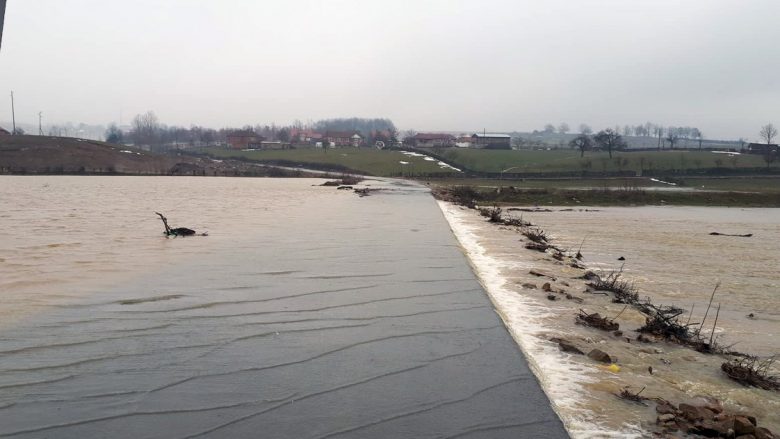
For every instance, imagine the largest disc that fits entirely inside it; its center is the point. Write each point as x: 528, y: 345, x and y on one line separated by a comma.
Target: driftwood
x: 624, y: 291
x: 364, y: 192
x: 751, y: 371
x: 633, y: 397
x: 538, y: 246
x: 596, y: 321
x: 492, y: 213
x: 726, y: 234
x: 177, y: 231
x: 536, y: 235
x: 662, y: 321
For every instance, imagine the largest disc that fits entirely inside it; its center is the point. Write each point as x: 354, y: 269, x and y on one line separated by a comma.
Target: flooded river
x: 307, y: 312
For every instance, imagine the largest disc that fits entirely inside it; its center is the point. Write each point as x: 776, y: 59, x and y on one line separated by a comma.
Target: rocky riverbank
x: 605, y: 381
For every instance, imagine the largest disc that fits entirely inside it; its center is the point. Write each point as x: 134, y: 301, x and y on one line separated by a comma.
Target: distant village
x: 148, y: 133
x: 248, y: 139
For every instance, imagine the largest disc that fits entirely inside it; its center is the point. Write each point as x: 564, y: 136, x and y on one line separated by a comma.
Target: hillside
x: 65, y: 155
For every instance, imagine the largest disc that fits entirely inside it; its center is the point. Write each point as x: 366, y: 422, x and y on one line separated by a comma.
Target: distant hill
x: 66, y: 155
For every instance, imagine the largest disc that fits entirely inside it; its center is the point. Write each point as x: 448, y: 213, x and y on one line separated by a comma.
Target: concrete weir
x: 341, y: 317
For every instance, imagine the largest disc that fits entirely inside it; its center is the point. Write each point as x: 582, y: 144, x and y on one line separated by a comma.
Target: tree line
x: 146, y: 129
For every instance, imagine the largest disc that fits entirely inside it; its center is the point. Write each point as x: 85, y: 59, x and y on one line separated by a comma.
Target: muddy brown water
x: 306, y: 313
x: 672, y: 259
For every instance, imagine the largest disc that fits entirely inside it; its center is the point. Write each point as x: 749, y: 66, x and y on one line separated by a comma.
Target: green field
x: 525, y: 161
x: 363, y: 160
x: 727, y: 184
x: 603, y: 197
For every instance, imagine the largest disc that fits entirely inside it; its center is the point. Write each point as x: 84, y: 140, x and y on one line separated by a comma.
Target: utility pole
x: 2, y: 19
x: 40, y: 126
x: 13, y: 112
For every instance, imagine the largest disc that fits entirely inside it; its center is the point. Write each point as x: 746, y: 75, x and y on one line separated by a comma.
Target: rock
x: 589, y: 275
x: 622, y: 258
x: 743, y: 426
x: 714, y: 405
x: 752, y: 420
x: 529, y: 286
x: 618, y: 333
x: 547, y: 287
x: 721, y: 417
x: 694, y: 413
x: 665, y: 408
x: 552, y: 297
x: 666, y: 417
x: 566, y: 284
x: 599, y: 355
x: 541, y: 274
x: 763, y: 433
x: 710, y: 428
x: 567, y: 346
x: 746, y: 436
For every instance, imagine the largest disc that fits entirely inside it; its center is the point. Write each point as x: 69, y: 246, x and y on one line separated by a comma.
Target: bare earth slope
x: 65, y: 155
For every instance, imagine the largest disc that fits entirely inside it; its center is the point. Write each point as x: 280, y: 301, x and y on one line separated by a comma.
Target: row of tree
x: 648, y: 129
x: 607, y: 139
x: 146, y: 129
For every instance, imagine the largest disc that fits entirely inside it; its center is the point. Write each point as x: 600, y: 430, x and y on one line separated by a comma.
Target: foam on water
x: 561, y: 378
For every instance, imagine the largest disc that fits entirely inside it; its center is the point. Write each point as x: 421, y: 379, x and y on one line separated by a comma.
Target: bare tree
x: 145, y: 129
x: 658, y: 130
x: 409, y: 137
x: 585, y: 129
x: 609, y: 139
x: 583, y: 142
x: 768, y: 132
x: 672, y: 136
x: 563, y: 128
x: 698, y: 135
x: 549, y: 128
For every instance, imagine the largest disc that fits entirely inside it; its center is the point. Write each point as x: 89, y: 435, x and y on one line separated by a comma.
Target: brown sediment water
x: 670, y: 257
x: 307, y: 312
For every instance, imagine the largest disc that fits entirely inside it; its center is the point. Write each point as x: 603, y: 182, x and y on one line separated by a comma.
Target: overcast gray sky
x: 427, y: 64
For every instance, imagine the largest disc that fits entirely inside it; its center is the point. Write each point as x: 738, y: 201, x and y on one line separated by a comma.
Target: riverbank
x: 629, y: 196
x: 522, y: 282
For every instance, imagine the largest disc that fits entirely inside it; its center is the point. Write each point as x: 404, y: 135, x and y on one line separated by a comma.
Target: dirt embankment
x: 64, y: 155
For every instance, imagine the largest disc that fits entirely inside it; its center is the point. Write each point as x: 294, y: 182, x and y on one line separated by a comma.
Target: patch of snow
x: 403, y: 163
x: 413, y: 154
x: 446, y: 166
x: 126, y: 151
x: 664, y: 182
x: 726, y: 152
